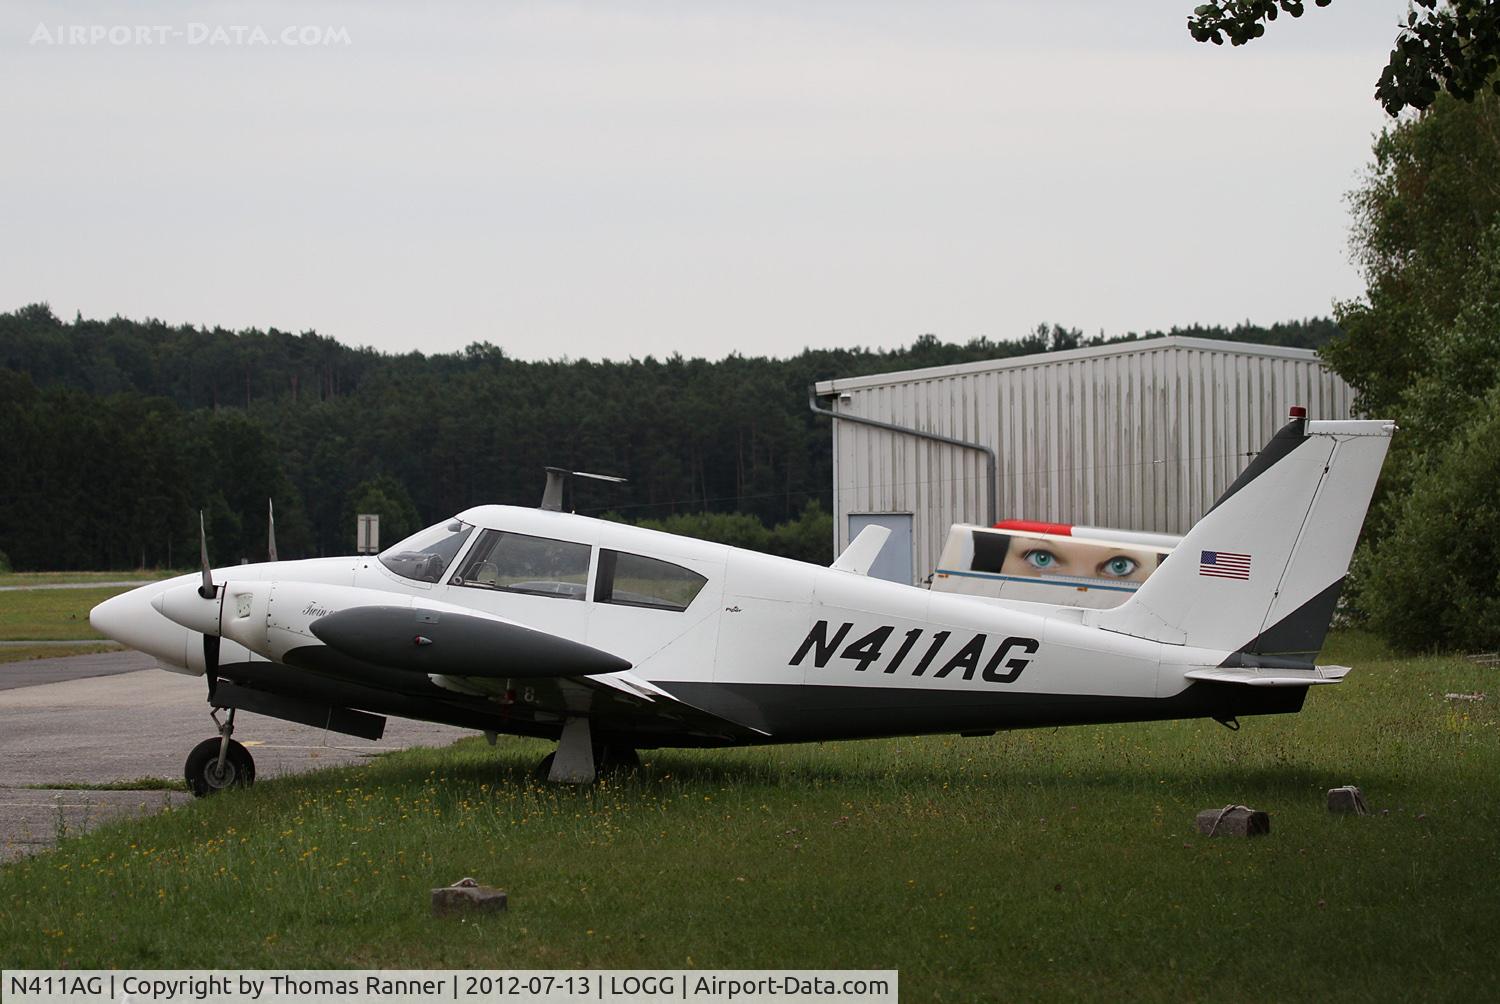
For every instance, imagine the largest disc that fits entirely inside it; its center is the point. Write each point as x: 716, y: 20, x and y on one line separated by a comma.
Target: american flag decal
x: 1224, y: 565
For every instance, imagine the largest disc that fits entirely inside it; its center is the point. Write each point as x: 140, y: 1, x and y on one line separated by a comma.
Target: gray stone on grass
x: 1347, y: 799
x: 1233, y: 821
x: 467, y: 896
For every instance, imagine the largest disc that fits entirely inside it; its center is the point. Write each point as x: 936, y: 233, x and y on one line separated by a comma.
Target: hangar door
x: 894, y: 562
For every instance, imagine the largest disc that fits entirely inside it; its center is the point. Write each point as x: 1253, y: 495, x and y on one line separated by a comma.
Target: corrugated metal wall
x: 1139, y: 437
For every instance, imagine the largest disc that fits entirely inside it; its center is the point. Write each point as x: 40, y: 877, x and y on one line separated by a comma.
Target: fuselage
x: 777, y: 650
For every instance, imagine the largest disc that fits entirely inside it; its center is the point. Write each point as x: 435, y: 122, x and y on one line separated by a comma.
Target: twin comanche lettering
x: 866, y: 651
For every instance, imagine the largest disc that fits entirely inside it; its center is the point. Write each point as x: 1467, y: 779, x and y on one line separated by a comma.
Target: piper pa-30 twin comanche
x: 611, y: 638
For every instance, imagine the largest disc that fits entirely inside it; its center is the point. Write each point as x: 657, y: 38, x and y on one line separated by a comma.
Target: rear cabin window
x: 517, y: 563
x: 632, y: 580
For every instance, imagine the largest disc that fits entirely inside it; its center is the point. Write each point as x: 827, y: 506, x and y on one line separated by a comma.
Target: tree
x: 1454, y: 46
x: 1434, y: 580
x: 161, y: 421
x: 809, y: 537
x: 385, y: 497
x: 1423, y: 348
x: 1432, y: 193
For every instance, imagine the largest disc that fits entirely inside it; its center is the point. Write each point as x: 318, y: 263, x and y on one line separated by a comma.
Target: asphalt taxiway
x: 111, y: 717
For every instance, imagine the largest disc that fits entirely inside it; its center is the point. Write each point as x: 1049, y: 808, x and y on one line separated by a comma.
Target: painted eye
x: 1040, y: 558
x: 1118, y: 567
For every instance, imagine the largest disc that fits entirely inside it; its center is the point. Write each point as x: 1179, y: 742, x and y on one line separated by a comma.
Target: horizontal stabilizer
x: 862, y: 551
x: 1271, y: 677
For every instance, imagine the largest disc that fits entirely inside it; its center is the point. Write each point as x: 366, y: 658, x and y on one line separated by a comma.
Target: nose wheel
x: 219, y: 763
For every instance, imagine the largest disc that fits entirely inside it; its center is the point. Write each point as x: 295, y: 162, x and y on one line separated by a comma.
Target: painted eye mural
x: 1040, y: 558
x: 1051, y: 563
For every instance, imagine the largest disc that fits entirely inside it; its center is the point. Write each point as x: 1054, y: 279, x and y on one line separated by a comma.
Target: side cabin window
x: 425, y: 555
x: 632, y: 580
x: 517, y: 563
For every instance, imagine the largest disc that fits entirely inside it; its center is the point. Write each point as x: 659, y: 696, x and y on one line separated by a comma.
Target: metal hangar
x: 1137, y: 435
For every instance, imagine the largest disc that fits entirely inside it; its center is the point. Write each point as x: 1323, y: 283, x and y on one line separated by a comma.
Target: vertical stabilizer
x: 1258, y: 576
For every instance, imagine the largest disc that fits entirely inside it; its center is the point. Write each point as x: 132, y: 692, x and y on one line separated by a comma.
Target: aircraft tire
x: 202, y: 773
x: 617, y: 760
x: 608, y: 760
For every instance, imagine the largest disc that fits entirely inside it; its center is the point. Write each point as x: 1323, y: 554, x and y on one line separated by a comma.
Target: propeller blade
x: 206, y: 590
x: 271, y: 529
x: 211, y: 663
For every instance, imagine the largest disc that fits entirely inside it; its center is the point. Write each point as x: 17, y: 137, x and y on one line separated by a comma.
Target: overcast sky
x: 617, y: 179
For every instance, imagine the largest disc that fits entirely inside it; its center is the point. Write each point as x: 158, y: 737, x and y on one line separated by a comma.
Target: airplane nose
x: 131, y: 620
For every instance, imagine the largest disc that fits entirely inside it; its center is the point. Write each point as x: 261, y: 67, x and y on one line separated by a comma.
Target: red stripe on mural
x: 1032, y: 526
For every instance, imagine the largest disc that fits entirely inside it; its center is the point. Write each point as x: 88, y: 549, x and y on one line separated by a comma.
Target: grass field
x: 66, y: 578
x: 1047, y: 864
x: 51, y: 614
x: 57, y: 614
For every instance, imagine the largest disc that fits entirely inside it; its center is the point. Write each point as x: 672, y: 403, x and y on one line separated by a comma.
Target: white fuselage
x: 788, y: 649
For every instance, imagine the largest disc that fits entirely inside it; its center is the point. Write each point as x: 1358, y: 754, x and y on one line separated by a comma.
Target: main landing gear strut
x: 579, y: 760
x: 219, y: 763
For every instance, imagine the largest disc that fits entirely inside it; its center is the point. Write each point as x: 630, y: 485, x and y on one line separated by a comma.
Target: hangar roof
x: 1067, y: 355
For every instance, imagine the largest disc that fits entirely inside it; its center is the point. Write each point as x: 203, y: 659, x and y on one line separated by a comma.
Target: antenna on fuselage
x: 552, y: 495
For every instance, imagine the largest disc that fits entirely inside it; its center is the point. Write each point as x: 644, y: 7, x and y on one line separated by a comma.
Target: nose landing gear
x: 217, y: 764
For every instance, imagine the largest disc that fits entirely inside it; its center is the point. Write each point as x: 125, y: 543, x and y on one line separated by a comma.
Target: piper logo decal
x: 1005, y: 663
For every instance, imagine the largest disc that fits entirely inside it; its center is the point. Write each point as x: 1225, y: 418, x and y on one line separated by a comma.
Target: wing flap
x: 640, y: 690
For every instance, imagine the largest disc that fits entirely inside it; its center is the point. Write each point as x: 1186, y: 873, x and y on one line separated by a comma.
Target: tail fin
x: 1258, y: 576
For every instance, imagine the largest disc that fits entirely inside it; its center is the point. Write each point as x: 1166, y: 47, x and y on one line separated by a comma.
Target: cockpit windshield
x: 426, y: 554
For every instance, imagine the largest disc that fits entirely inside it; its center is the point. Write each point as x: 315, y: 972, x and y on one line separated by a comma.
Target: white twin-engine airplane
x: 611, y: 638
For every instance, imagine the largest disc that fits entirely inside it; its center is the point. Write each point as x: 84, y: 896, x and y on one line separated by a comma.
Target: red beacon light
x: 1298, y: 411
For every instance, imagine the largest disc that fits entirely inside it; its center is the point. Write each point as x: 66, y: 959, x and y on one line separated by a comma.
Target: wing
x: 526, y: 675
